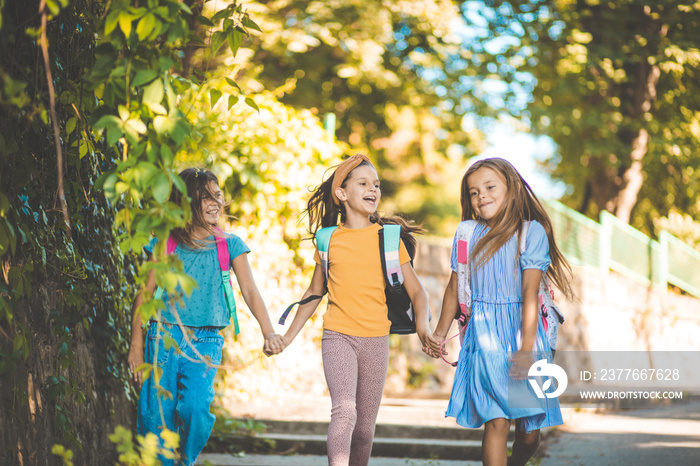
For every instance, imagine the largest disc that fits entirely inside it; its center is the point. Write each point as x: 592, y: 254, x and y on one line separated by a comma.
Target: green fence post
x: 329, y: 124
x: 605, y: 240
x: 663, y: 262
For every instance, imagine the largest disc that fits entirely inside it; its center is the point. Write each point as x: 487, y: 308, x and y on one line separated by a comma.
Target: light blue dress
x: 482, y: 388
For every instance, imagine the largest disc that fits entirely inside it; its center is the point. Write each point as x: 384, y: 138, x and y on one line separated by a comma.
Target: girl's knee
x: 500, y: 425
x: 529, y: 439
x: 344, y: 412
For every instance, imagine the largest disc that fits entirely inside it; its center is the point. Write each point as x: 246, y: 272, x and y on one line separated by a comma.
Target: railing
x: 614, y: 245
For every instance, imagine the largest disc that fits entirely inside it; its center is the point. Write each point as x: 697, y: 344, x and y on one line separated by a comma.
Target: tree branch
x: 54, y: 119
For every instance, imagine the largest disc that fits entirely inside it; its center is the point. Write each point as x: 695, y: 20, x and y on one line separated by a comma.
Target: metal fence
x: 614, y: 245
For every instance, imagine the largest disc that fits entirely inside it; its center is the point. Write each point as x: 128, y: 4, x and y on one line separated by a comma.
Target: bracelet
x: 439, y: 335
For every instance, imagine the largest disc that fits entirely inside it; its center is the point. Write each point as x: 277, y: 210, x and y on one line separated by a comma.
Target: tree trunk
x: 34, y: 415
x: 633, y: 177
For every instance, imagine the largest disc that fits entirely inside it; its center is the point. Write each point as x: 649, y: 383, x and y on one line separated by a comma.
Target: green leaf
x: 214, y: 95
x: 145, y: 26
x: 114, y: 133
x: 123, y: 113
x: 234, y: 37
x: 204, y: 20
x: 154, y: 92
x: 171, y: 440
x: 161, y: 187
x: 106, y: 121
x: 232, y: 100
x: 111, y: 22
x: 70, y: 124
x: 217, y: 40
x: 144, y: 77
x: 136, y: 125
x: 221, y: 14
x: 83, y: 149
x: 234, y: 84
x: 251, y: 103
x: 167, y: 155
x: 125, y: 23
x: 249, y: 23
x: 163, y: 124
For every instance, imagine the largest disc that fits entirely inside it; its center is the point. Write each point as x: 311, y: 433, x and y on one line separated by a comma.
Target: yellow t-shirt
x: 356, y: 300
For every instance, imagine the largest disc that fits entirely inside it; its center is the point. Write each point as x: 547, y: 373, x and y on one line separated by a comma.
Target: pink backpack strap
x: 222, y: 251
x: 171, y: 245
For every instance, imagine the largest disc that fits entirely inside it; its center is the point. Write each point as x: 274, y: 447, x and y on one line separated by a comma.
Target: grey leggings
x: 355, y: 369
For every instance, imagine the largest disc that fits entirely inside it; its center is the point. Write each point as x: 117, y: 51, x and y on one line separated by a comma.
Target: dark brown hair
x: 197, y: 181
x: 323, y: 212
x: 520, y: 204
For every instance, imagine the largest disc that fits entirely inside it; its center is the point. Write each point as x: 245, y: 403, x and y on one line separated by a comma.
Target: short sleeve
x: 403, y: 254
x: 536, y: 255
x: 236, y: 247
x: 453, y: 256
x: 149, y: 247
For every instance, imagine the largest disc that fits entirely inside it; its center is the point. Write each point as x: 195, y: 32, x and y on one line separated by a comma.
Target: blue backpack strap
x: 225, y: 266
x: 392, y: 264
x: 323, y: 241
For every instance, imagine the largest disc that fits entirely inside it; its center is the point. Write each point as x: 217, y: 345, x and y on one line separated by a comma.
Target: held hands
x: 274, y: 344
x: 430, y: 341
x: 432, y: 345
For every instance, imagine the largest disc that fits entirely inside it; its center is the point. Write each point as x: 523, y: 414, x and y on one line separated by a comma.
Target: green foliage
x: 608, y: 74
x: 147, y: 449
x: 396, y: 77
x: 65, y: 455
x: 117, y: 70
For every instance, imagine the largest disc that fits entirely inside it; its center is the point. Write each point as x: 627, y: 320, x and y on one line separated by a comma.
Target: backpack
x: 550, y: 314
x: 224, y: 264
x: 399, y: 306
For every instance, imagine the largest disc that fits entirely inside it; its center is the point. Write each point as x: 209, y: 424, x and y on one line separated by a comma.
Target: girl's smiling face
x: 487, y: 192
x: 361, y: 192
x: 212, y: 204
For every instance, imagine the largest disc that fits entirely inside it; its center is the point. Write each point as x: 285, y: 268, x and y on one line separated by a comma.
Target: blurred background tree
x: 616, y: 86
x: 397, y: 79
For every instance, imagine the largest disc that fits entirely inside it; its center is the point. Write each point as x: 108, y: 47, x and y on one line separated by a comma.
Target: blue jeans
x: 191, y: 384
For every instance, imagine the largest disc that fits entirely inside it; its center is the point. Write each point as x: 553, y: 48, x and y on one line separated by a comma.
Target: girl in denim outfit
x: 194, y: 323
x: 355, y: 341
x: 504, y: 330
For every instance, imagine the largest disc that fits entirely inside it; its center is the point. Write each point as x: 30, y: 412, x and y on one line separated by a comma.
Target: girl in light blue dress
x: 504, y: 335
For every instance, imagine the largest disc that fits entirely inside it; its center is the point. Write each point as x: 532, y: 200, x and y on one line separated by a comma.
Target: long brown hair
x: 197, y: 181
x: 520, y: 204
x: 323, y: 212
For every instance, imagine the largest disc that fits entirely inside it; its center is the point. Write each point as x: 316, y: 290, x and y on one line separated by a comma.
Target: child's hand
x: 274, y: 344
x: 431, y: 345
x: 520, y: 364
x: 135, y: 359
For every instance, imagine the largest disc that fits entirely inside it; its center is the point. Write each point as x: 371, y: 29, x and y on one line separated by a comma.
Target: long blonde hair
x: 520, y: 204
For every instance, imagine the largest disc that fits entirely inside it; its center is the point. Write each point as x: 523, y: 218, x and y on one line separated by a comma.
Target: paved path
x: 303, y: 460
x: 649, y: 437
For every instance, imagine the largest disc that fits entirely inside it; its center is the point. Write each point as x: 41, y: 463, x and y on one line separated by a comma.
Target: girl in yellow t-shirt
x: 355, y: 340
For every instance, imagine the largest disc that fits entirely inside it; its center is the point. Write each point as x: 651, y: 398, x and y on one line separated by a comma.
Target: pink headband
x: 344, y: 169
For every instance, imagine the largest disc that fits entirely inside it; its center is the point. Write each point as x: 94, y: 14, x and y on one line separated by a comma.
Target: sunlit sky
x: 524, y: 151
